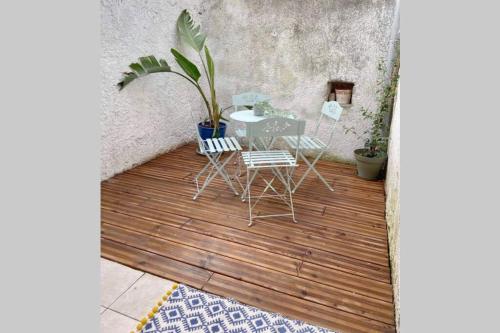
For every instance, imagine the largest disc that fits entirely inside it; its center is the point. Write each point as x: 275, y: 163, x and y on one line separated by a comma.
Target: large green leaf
x: 146, y: 65
x: 189, y: 32
x: 187, y: 66
x: 210, y: 65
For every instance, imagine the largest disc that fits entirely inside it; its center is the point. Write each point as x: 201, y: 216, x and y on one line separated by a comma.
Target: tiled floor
x: 127, y: 295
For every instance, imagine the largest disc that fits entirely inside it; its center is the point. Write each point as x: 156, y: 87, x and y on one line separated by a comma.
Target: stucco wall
x: 151, y: 115
x: 286, y: 49
x: 392, y: 201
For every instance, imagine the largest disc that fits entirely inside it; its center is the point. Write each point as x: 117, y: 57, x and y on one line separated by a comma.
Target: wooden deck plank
x: 247, y: 238
x: 233, y: 250
x: 352, y: 266
x: 270, y: 244
x: 333, y: 260
x: 311, y: 225
x: 178, y: 167
x: 155, y: 264
x: 331, y: 269
x: 214, y: 211
x: 360, y: 285
x: 291, y: 306
x: 271, y: 279
x: 183, y: 187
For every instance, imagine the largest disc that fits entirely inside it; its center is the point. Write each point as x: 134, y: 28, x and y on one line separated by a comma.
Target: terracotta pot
x: 343, y: 96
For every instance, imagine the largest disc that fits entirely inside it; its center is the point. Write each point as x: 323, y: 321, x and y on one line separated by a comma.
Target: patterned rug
x: 189, y: 310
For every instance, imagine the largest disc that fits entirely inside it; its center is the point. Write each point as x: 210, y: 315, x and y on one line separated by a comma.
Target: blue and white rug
x: 191, y: 310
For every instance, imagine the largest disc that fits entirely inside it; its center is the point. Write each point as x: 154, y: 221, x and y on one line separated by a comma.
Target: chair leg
x: 323, y: 180
x: 238, y: 168
x: 290, y: 194
x: 225, y: 176
x: 247, y: 190
x: 202, y: 172
x: 219, y: 169
x: 207, y: 181
x: 311, y: 167
x: 285, y: 179
x: 243, y: 195
x: 317, y: 172
x: 303, y: 176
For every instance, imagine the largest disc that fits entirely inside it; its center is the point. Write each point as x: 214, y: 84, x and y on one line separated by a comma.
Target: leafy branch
x: 377, y: 142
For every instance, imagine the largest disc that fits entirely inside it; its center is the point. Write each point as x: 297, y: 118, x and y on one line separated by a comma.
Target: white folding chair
x: 332, y: 111
x: 280, y: 162
x: 213, y: 149
x: 241, y: 101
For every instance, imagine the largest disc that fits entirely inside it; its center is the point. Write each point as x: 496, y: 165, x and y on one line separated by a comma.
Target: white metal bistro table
x: 246, y: 116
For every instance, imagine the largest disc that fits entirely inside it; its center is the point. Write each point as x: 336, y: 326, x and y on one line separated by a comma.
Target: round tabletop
x: 246, y: 116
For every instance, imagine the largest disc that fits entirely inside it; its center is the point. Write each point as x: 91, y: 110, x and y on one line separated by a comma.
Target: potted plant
x: 371, y: 158
x: 190, y: 34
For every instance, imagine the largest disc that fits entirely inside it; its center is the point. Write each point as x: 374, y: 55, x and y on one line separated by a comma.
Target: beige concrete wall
x: 286, y: 49
x: 392, y: 184
x: 290, y: 49
x: 151, y: 115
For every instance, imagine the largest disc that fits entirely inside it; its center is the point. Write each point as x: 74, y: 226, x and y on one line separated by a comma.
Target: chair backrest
x: 331, y: 110
x: 274, y: 128
x: 248, y: 98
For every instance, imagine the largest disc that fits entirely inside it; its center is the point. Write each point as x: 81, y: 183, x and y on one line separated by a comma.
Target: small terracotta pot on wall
x: 343, y: 96
x: 341, y: 92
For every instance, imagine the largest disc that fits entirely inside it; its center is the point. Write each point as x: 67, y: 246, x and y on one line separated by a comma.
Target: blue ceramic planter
x: 207, y: 132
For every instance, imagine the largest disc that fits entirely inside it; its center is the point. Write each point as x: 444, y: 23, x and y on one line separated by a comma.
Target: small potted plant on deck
x: 371, y: 158
x: 190, y: 34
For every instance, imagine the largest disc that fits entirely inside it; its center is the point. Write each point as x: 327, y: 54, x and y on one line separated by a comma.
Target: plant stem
x: 200, y: 90
x: 214, y: 119
x: 205, y: 69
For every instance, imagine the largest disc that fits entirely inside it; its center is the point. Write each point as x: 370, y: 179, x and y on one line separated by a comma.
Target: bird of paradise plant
x: 190, y: 34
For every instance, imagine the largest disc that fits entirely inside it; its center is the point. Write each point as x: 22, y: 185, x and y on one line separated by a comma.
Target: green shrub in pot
x: 371, y: 158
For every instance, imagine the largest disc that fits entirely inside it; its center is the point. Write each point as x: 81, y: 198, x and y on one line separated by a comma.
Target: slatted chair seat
x: 270, y: 158
x: 306, y: 142
x: 220, y: 145
x: 214, y: 149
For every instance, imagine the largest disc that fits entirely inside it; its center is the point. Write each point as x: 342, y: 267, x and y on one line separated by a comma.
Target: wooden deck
x: 331, y: 269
